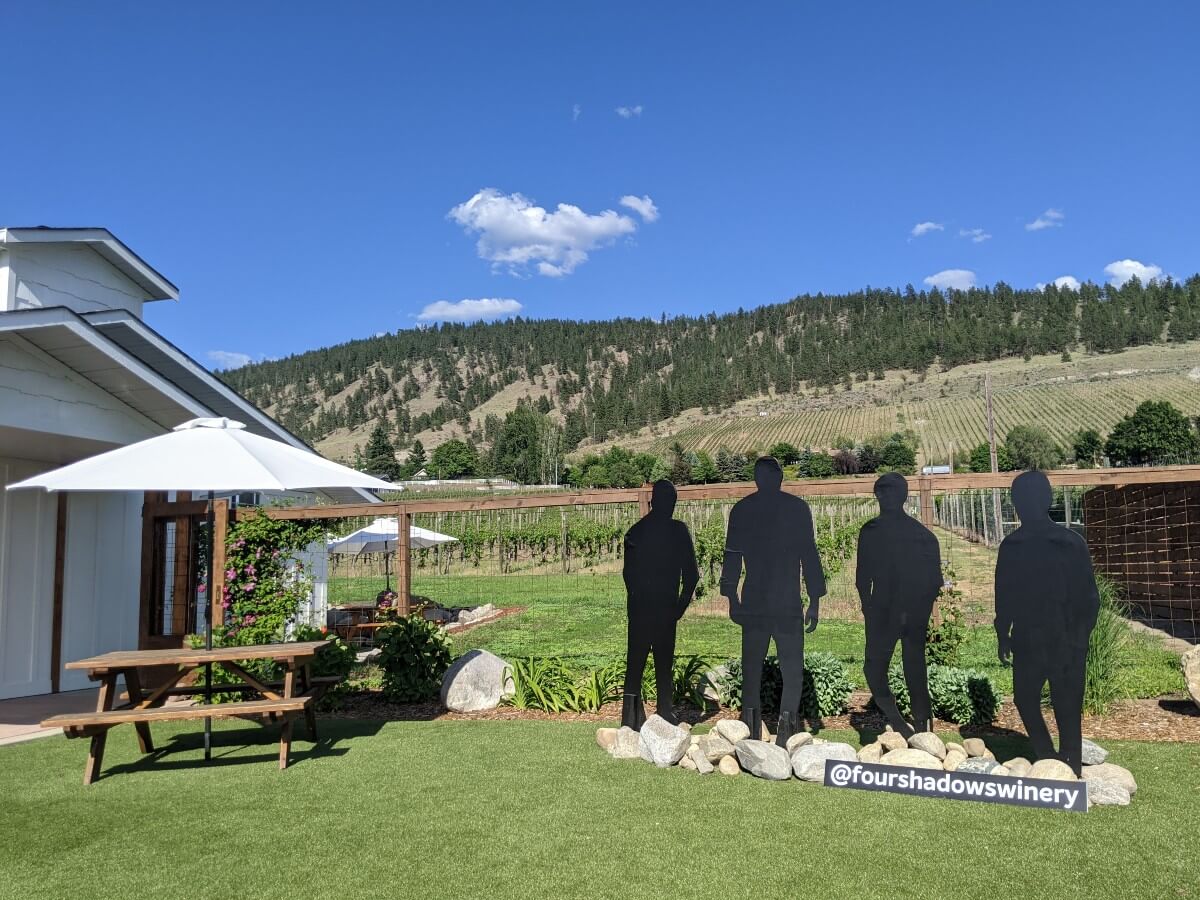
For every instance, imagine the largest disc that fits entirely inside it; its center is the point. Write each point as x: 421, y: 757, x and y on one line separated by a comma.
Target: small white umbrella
x: 205, y: 455
x: 381, y: 537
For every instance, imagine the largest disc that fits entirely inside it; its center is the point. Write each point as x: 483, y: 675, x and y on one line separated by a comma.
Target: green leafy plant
x: 827, y: 685
x: 415, y: 654
x: 942, y: 642
x: 1105, y: 645
x: 963, y: 696
x: 689, y: 676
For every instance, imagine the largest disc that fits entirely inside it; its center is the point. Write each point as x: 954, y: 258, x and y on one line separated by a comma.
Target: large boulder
x: 626, y: 745
x: 764, y: 760
x: 1106, y: 793
x: 1191, y: 672
x: 1053, y: 769
x: 929, y: 742
x: 808, y: 763
x: 477, y: 680
x: 912, y: 758
x: 1111, y: 772
x: 714, y: 747
x: 733, y: 730
x: 871, y: 753
x: 663, y: 743
x: 798, y: 740
x: 1093, y: 753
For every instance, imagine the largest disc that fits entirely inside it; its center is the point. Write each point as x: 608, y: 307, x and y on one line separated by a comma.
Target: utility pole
x: 991, y: 426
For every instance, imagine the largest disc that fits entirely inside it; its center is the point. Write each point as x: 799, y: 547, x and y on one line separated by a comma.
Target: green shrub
x: 338, y: 658
x: 827, y: 686
x: 963, y: 696
x: 942, y: 642
x: 415, y: 654
x: 549, y: 684
x: 1107, y: 641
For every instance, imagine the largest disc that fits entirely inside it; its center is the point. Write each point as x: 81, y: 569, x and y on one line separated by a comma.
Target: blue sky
x: 312, y: 173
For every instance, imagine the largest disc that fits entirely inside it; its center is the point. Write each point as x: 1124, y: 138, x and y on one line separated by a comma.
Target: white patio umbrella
x: 205, y: 455
x: 381, y: 537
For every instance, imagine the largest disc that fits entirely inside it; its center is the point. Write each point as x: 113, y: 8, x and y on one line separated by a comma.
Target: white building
x: 81, y: 373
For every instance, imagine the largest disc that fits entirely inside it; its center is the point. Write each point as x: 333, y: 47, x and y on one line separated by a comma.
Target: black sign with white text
x: 1040, y: 792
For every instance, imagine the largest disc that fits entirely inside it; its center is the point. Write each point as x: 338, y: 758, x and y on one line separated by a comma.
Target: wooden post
x: 403, y: 560
x: 926, y: 502
x: 56, y: 616
x: 216, y: 611
x: 644, y: 493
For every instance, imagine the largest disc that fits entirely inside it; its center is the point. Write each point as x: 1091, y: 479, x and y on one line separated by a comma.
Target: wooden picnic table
x: 282, y: 701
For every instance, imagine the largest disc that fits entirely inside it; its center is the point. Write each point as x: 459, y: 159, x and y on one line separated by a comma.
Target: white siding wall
x: 27, y: 529
x: 70, y: 275
x: 100, y: 578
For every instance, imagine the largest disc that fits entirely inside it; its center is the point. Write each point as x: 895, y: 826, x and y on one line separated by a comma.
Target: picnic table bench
x: 282, y: 701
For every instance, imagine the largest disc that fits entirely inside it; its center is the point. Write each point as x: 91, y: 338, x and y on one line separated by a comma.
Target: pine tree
x: 379, y: 459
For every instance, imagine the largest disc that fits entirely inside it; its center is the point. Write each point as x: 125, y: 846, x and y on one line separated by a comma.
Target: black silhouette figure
x: 898, y: 575
x: 661, y: 575
x: 1046, y: 607
x: 772, y: 532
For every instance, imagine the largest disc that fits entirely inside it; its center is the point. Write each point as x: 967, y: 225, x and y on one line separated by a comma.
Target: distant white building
x: 81, y: 373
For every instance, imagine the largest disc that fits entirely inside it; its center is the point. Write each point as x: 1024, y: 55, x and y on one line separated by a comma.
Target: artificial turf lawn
x: 529, y: 809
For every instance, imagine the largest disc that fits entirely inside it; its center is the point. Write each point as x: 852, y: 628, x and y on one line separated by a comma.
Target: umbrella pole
x: 208, y: 625
x: 387, y: 567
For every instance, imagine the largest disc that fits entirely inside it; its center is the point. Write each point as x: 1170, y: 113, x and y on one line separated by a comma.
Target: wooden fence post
x: 216, y: 610
x: 926, y: 502
x: 403, y: 560
x: 644, y: 494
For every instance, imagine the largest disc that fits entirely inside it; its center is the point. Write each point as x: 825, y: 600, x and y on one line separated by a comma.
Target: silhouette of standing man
x: 898, y: 575
x: 772, y: 532
x: 659, y: 558
x: 1046, y: 606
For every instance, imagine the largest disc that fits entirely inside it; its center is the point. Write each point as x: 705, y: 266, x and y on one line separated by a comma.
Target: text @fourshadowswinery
x: 1038, y: 792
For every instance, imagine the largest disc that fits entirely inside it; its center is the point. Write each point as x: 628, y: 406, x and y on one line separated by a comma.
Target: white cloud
x: 925, y: 227
x: 1062, y: 281
x: 977, y: 235
x: 576, y: 111
x: 469, y: 310
x: 1122, y: 270
x: 516, y: 234
x: 642, y: 205
x: 957, y: 279
x: 1051, y: 218
x: 229, y: 359
x: 628, y: 112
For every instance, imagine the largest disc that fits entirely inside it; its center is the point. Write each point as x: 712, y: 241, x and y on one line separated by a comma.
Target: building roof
x: 121, y: 354
x: 104, y: 243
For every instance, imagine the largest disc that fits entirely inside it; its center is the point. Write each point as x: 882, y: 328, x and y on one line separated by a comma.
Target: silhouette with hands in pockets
x: 660, y: 575
x: 772, y: 533
x: 1046, y: 606
x: 898, y: 574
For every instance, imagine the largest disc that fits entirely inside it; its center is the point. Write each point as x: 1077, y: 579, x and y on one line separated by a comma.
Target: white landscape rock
x: 476, y: 681
x: 714, y: 747
x: 929, y: 742
x: 1053, y: 769
x: 951, y: 745
x: 688, y: 763
x: 698, y: 760
x: 1106, y: 793
x: 798, y: 740
x: 808, y: 763
x: 606, y: 737
x: 1111, y: 772
x: 871, y: 753
x: 663, y: 743
x: 954, y: 759
x: 979, y: 765
x: 627, y: 744
x: 1093, y: 753
x: 892, y: 740
x: 911, y: 757
x: 733, y: 730
x: 1191, y: 672
x: 1018, y: 766
x: 975, y: 747
x: 764, y: 759
x: 729, y: 766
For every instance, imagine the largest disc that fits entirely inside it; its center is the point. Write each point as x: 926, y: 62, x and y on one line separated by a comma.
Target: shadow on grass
x: 238, y: 747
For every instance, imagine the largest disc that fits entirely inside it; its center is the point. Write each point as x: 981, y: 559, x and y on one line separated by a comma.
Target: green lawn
x: 529, y: 809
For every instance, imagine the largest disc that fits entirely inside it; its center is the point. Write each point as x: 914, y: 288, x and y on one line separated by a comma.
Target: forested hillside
x: 607, y: 379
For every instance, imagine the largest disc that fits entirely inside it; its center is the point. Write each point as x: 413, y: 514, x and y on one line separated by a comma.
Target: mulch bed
x: 1164, y: 719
